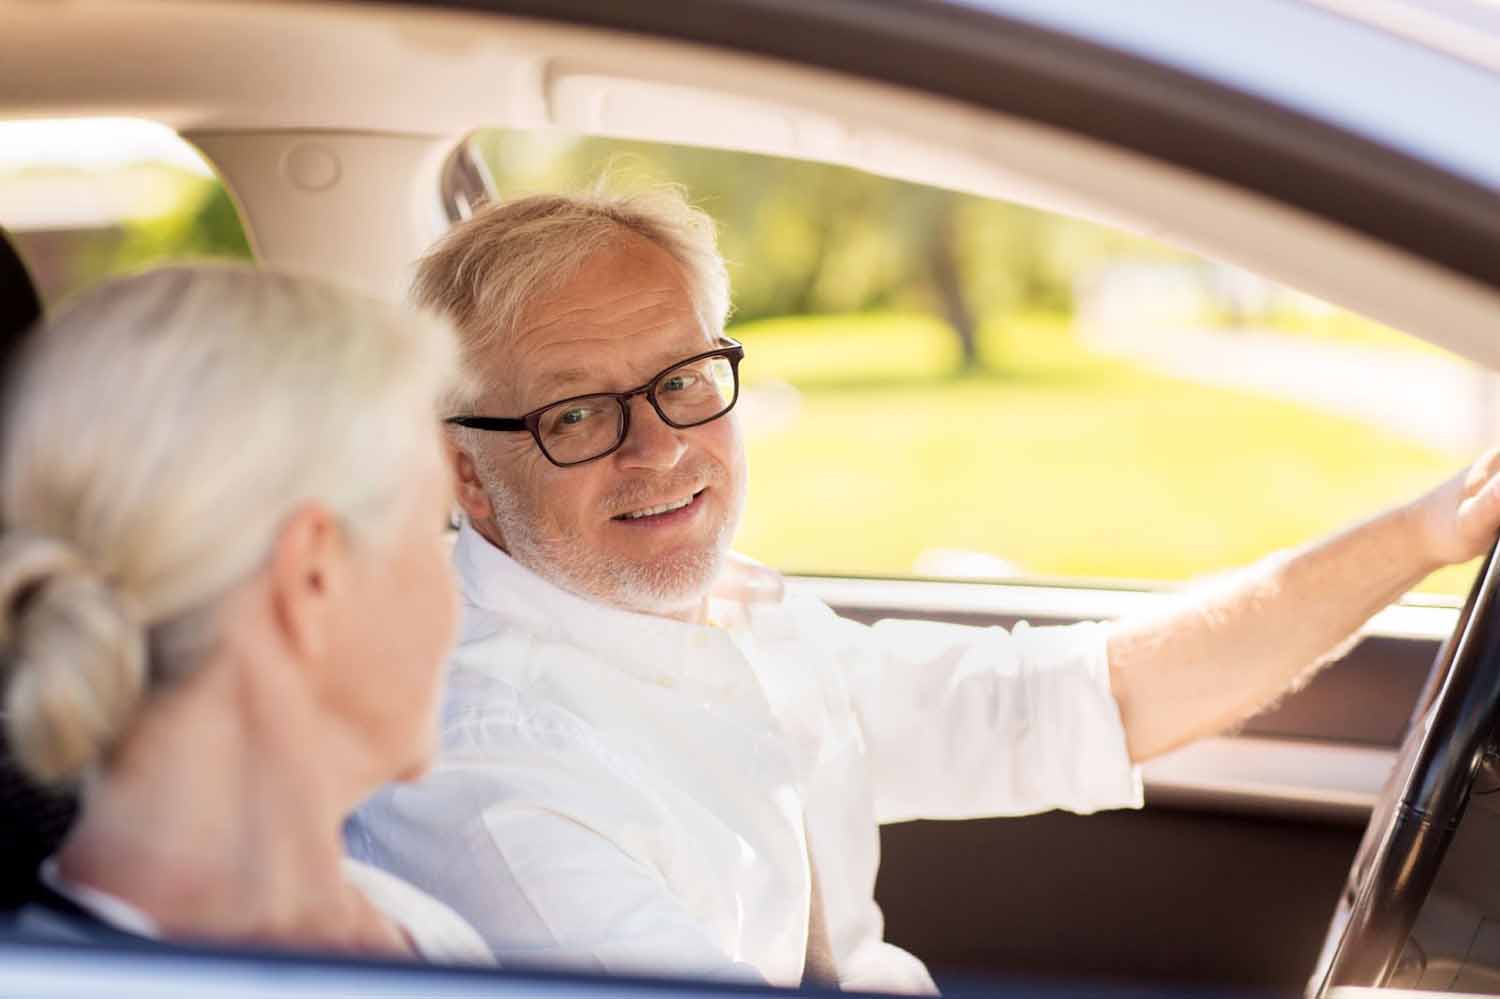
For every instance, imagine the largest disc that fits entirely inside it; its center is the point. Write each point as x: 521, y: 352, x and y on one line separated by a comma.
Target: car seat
x: 33, y: 820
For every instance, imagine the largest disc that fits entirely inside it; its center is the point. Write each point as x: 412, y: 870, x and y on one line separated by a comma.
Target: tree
x: 205, y: 225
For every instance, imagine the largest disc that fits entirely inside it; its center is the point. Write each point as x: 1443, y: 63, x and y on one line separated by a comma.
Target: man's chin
x: 675, y: 586
x: 674, y: 583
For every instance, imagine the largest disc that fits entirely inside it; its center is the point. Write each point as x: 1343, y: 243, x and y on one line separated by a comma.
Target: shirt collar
x: 660, y: 650
x: 111, y: 910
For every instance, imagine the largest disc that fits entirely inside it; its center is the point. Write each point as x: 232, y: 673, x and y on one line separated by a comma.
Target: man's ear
x: 307, y: 568
x: 467, y: 489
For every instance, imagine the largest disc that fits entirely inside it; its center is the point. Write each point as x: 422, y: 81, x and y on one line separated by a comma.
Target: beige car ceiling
x: 330, y: 123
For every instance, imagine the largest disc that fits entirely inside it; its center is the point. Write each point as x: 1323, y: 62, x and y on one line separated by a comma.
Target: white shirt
x: 440, y: 935
x: 624, y: 793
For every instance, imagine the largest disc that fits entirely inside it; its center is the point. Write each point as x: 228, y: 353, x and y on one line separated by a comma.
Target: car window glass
x: 86, y: 198
x: 946, y: 385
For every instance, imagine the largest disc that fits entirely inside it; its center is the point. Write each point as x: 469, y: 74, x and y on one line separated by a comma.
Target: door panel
x: 1156, y: 896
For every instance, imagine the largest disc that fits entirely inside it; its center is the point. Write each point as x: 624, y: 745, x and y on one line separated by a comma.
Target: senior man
x: 636, y: 777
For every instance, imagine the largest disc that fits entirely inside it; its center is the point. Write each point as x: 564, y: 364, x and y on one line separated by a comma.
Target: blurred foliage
x: 1070, y: 464
x: 205, y: 225
x: 807, y: 238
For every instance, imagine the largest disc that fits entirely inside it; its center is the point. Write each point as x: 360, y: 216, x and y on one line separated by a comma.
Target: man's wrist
x: 1415, y: 539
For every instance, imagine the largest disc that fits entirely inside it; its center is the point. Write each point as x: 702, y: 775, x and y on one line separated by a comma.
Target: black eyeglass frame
x: 732, y: 350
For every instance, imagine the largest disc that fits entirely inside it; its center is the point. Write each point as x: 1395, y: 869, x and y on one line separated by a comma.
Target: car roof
x: 1397, y: 73
x: 1464, y: 29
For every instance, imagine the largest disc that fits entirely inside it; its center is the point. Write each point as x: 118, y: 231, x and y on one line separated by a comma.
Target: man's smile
x: 667, y: 511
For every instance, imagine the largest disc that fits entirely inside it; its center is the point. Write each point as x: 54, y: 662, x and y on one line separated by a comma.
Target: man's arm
x: 1229, y: 649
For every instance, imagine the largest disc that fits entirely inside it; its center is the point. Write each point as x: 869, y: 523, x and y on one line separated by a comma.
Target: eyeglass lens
x: 688, y: 394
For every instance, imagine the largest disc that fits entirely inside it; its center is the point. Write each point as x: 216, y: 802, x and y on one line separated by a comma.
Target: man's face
x: 626, y: 316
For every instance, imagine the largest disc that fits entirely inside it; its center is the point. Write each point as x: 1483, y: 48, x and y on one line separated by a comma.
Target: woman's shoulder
x: 440, y: 935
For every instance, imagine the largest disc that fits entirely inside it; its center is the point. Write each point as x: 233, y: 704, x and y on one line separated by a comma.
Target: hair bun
x: 27, y: 562
x: 73, y: 654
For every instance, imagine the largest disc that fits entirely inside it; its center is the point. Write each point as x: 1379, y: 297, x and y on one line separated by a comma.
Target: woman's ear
x: 306, y: 572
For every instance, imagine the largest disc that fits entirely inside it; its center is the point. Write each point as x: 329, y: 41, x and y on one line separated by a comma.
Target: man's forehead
x: 628, y: 275
x: 626, y: 314
x: 589, y: 362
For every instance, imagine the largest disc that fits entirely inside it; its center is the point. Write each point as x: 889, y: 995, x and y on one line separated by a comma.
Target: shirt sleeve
x: 962, y: 722
x: 510, y: 831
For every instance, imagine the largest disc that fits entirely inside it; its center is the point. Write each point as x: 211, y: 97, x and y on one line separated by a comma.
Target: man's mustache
x: 636, y: 493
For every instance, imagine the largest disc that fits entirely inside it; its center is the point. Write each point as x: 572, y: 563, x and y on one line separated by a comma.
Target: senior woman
x: 224, y: 604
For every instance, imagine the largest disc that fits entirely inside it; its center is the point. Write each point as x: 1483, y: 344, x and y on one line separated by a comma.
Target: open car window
x: 84, y: 199
x: 946, y: 385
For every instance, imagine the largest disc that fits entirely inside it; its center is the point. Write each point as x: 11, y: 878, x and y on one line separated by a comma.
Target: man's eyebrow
x: 552, y: 385
x: 566, y: 377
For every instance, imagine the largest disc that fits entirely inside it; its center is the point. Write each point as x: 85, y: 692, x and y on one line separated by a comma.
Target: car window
x: 82, y: 199
x: 950, y: 386
x: 936, y: 384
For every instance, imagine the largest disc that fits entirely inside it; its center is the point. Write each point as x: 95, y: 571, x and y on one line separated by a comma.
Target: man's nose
x: 651, y: 443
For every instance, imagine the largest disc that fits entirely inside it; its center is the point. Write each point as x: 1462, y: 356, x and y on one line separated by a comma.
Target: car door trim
x: 1018, y: 67
x: 1285, y: 778
x: 1415, y: 618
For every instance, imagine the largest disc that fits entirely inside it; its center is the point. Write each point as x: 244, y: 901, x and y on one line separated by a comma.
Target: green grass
x: 1064, y: 463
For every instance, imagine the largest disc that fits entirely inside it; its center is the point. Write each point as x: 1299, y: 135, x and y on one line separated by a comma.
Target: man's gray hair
x: 489, y: 271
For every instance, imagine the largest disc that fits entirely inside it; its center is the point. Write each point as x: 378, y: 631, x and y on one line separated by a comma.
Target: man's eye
x: 678, y: 383
x: 573, y: 420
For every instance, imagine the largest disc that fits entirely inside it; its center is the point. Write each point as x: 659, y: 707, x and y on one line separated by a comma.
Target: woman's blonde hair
x: 153, y: 439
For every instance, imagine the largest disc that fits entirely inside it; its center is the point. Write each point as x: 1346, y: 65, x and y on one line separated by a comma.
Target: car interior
x: 340, y: 128
x: 32, y: 819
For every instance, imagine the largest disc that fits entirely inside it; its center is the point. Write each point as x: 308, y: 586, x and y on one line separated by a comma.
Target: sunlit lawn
x: 1063, y: 463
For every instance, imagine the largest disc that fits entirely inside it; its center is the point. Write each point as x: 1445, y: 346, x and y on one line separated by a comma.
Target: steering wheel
x: 1418, y: 811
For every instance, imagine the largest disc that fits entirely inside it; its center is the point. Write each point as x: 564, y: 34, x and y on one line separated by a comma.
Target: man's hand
x: 1458, y: 520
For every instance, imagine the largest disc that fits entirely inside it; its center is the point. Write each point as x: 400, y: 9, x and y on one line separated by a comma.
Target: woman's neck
x: 221, y: 815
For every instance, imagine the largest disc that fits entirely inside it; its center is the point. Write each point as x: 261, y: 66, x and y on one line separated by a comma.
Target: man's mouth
x: 660, y: 509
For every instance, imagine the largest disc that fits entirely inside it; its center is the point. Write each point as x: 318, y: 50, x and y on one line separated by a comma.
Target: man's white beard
x: 665, y: 585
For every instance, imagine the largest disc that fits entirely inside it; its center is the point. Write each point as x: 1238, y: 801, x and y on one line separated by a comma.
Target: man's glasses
x: 587, y: 427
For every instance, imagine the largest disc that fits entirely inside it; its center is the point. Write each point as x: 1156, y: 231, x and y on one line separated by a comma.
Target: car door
x: 1230, y: 872
x: 883, y: 459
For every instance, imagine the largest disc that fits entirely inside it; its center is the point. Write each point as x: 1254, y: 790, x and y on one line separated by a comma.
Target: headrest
x: 20, y: 305
x: 33, y: 821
